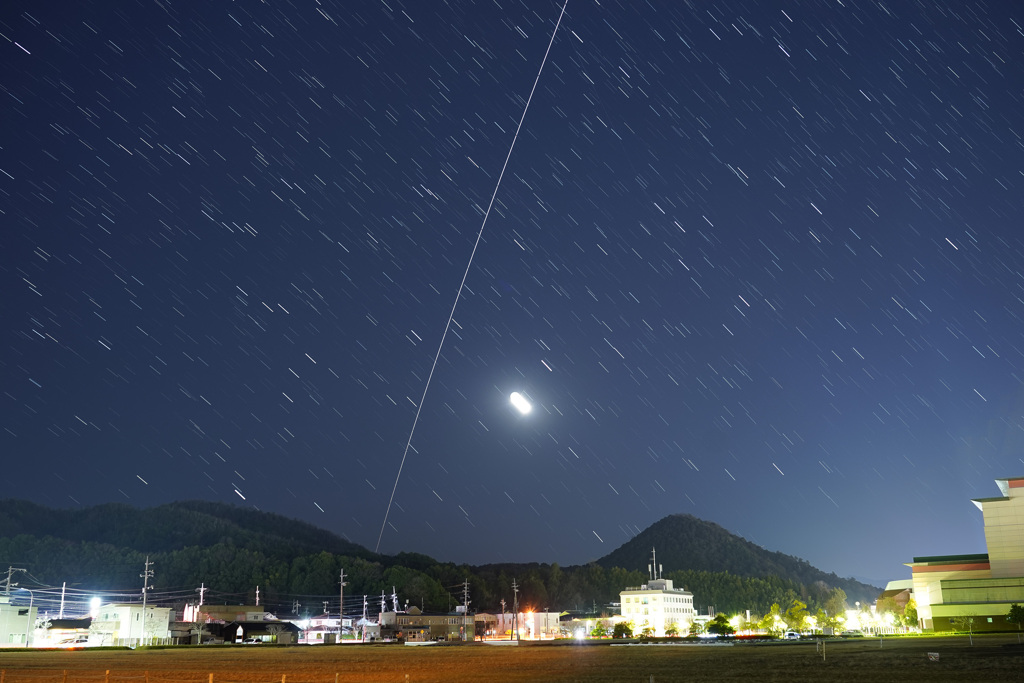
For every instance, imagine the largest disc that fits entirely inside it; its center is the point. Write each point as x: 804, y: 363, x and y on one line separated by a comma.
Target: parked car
x: 791, y: 635
x: 852, y: 633
x: 76, y: 641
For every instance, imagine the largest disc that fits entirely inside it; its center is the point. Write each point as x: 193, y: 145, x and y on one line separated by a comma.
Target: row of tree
x: 796, y: 616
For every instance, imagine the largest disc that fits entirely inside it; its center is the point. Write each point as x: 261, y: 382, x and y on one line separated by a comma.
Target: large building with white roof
x: 950, y: 589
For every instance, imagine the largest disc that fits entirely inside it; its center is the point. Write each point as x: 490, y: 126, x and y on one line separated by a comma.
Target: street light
x: 31, y: 622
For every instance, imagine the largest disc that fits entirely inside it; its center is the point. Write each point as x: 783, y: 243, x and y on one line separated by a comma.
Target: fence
x: 29, y: 675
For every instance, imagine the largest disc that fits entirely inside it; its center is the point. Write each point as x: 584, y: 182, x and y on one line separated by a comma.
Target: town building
x: 323, y: 629
x: 241, y: 613
x: 131, y: 624
x: 657, y: 605
x: 414, y: 625
x: 900, y: 591
x: 238, y: 623
x: 975, y: 591
x: 17, y: 622
x: 528, y: 625
x: 57, y: 632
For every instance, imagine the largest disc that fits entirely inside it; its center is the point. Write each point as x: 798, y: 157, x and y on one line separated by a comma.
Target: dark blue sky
x: 759, y: 262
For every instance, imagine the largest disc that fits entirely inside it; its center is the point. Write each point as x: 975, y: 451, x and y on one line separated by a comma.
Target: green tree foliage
x: 910, y: 618
x: 417, y: 587
x: 556, y: 584
x: 773, y: 620
x: 828, y: 621
x: 835, y: 603
x: 796, y: 615
x: 1016, y: 615
x: 623, y: 629
x: 731, y: 593
x: 720, y: 625
x: 888, y: 605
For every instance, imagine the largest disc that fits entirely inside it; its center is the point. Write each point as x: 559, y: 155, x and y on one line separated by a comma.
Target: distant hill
x: 234, y: 549
x: 173, y: 526
x: 687, y: 543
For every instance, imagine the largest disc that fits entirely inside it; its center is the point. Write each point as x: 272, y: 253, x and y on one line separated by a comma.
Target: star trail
x: 759, y: 262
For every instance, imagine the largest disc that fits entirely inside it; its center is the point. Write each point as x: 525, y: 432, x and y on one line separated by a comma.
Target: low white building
x: 17, y: 622
x: 657, y: 605
x: 128, y: 624
x: 530, y: 625
x: 322, y: 629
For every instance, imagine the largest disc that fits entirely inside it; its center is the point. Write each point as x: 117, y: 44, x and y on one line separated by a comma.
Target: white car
x: 791, y: 635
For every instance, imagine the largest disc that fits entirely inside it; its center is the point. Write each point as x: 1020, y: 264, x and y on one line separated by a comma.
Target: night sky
x: 760, y: 262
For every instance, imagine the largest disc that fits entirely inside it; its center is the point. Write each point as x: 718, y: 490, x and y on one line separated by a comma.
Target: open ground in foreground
x: 991, y: 658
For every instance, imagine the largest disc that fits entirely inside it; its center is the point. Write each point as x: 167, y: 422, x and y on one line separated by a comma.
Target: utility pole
x: 199, y: 611
x: 362, y: 631
x: 465, y: 609
x: 341, y: 602
x: 146, y: 576
x: 9, y: 585
x: 515, y: 608
x: 503, y: 613
x: 63, y: 588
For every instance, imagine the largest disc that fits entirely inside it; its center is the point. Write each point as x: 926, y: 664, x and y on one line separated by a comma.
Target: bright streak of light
x: 520, y: 403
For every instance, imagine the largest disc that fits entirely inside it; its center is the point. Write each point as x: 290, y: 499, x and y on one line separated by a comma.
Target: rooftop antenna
x: 458, y: 294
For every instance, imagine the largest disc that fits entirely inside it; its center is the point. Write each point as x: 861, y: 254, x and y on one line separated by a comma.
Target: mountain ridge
x: 285, y: 550
x: 684, y: 542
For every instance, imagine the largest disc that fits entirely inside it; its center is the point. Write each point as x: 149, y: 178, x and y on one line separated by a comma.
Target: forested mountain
x: 172, y: 526
x: 685, y: 543
x: 233, y: 550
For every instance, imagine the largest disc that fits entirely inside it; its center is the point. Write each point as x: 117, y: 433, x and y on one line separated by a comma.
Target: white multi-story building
x: 657, y: 605
x: 129, y: 624
x: 16, y: 623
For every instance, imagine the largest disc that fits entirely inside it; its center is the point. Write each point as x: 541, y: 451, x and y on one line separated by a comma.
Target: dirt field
x: 990, y: 659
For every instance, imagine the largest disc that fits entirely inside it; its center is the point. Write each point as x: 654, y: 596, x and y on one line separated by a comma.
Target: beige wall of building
x: 657, y: 604
x: 981, y: 587
x: 1004, y: 528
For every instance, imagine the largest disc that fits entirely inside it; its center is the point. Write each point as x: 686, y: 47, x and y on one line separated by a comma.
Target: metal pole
x: 30, y: 627
x: 145, y: 589
x: 341, y: 603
